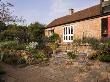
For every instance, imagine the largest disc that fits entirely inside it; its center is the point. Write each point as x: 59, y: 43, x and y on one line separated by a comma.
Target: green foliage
x: 14, y: 38
x: 105, y: 40
x: 12, y: 45
x: 2, y: 26
x: 54, y: 37
x: 36, y: 32
x: 103, y: 52
x: 39, y: 55
x: 47, y: 51
x: 104, y: 58
x: 8, y: 51
x: 15, y: 32
x: 21, y: 60
x: 20, y: 47
x: 8, y: 44
x: 95, y: 43
x: 53, y: 46
x: 9, y: 56
x: 71, y: 55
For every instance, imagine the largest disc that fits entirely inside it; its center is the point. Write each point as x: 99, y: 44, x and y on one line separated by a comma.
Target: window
x: 68, y: 33
x: 50, y: 32
x: 104, y: 29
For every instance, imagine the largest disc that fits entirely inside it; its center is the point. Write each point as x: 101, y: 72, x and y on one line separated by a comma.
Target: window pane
x: 71, y: 37
x: 66, y: 30
x: 66, y: 38
x: 104, y: 27
x: 71, y: 30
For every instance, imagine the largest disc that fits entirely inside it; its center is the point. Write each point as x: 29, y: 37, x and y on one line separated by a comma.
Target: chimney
x: 71, y: 11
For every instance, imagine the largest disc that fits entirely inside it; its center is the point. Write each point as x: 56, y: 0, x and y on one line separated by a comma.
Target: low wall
x: 84, y: 48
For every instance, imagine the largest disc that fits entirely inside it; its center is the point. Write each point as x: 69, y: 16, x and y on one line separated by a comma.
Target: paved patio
x: 60, y: 69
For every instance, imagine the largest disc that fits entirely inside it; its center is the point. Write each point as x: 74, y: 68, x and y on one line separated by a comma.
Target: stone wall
x: 88, y: 28
x: 77, y: 48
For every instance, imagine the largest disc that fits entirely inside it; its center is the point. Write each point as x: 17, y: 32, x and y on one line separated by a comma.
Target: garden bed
x: 14, y: 54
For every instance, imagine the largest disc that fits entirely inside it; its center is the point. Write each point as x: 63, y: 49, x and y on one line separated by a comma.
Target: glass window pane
x: 66, y: 38
x: 66, y: 30
x: 71, y: 30
x: 71, y: 37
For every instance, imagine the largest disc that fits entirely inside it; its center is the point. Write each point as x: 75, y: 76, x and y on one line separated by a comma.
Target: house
x: 90, y: 22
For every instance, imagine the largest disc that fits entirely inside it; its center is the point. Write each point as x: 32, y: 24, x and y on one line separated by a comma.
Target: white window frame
x: 67, y: 35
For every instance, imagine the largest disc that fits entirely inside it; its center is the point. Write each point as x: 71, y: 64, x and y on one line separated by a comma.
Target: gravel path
x: 60, y: 69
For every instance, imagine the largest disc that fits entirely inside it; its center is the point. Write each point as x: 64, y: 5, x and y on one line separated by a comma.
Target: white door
x: 68, y: 33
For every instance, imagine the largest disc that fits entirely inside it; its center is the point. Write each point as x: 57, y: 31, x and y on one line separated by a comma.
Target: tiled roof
x: 77, y: 16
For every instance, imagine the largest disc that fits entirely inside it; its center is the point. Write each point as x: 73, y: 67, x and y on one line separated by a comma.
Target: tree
x: 8, y: 29
x: 6, y: 14
x: 2, y: 26
x: 15, y: 32
x: 36, y: 32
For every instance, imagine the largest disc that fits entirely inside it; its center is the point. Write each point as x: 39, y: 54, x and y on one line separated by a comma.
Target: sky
x: 44, y: 11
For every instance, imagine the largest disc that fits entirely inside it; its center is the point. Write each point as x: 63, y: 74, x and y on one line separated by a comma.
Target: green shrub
x: 47, y: 51
x: 4, y: 54
x: 8, y: 44
x: 20, y: 47
x: 21, y: 60
x: 53, y: 46
x: 95, y: 43
x: 54, y: 37
x: 10, y: 57
x: 104, y: 58
x: 12, y: 45
x: 31, y: 50
x: 71, y: 55
x: 39, y: 55
x: 106, y: 41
